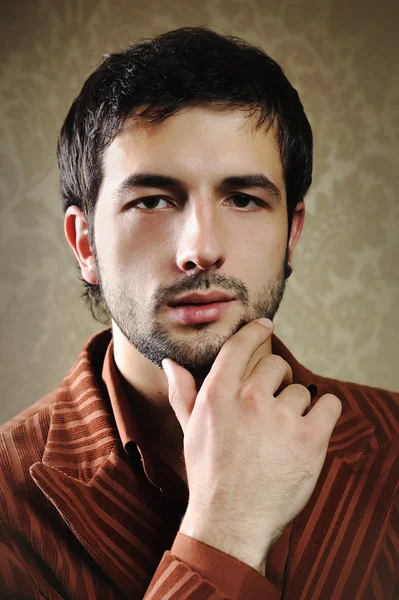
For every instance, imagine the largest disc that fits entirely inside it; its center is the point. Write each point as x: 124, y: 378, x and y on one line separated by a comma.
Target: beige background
x: 340, y: 316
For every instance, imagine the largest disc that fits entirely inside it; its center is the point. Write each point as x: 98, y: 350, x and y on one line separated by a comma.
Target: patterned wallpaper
x: 340, y: 315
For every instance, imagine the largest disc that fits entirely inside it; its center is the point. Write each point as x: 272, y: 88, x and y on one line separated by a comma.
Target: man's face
x: 158, y: 241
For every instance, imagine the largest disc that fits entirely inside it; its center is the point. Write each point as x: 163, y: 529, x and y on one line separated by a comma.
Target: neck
x: 147, y: 390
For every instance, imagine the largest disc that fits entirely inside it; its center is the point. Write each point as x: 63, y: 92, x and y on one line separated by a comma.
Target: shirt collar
x: 300, y: 373
x: 125, y: 418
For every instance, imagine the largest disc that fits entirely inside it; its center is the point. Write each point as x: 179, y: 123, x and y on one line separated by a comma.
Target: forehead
x: 198, y: 144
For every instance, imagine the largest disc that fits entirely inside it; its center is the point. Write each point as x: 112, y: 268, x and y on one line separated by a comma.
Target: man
x: 187, y: 454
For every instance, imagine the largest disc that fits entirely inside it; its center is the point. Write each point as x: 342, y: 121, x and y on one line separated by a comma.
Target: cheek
x: 132, y: 256
x: 267, y: 246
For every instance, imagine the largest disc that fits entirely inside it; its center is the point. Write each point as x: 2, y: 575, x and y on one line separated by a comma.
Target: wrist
x: 221, y: 538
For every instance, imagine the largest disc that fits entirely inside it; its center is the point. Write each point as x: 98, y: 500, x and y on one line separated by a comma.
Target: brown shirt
x: 88, y: 511
x: 217, y: 567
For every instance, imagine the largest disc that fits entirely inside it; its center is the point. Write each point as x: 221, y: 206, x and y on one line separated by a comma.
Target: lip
x: 197, y: 298
x: 192, y: 314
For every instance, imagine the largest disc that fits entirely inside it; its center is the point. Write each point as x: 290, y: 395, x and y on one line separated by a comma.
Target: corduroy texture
x: 81, y: 517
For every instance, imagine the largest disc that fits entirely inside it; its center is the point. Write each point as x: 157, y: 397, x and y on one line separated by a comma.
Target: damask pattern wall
x: 340, y: 315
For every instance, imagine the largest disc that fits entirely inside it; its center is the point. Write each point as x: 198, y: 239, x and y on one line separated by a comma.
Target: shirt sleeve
x: 192, y: 569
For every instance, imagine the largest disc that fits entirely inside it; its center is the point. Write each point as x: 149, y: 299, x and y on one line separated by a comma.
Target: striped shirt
x: 87, y: 511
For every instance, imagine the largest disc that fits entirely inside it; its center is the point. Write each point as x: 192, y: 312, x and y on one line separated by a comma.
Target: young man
x: 227, y: 470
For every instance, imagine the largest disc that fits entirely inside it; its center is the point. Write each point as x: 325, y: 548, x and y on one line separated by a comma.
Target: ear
x: 77, y: 233
x: 296, y: 228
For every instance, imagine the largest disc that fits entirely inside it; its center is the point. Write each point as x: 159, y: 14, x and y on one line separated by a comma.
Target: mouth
x: 201, y: 298
x: 194, y: 313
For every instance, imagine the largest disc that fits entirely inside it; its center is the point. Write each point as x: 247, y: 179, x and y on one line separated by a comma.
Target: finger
x: 324, y: 415
x: 272, y: 372
x: 181, y: 391
x: 296, y: 396
x: 232, y: 361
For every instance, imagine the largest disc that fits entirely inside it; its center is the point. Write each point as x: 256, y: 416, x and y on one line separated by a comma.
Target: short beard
x: 196, y: 354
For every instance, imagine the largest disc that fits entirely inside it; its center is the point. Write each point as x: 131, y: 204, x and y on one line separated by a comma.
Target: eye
x: 150, y: 201
x: 244, y: 199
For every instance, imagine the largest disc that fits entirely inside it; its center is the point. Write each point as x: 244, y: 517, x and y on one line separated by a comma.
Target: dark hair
x: 155, y: 78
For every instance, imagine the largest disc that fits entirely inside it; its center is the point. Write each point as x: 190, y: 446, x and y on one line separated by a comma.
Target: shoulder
x: 41, y: 406
x: 23, y: 439
x: 34, y: 414
x: 358, y: 389
x: 378, y: 405
x: 22, y: 443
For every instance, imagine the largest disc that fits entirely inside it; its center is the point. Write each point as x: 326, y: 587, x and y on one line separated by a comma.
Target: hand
x: 252, y: 459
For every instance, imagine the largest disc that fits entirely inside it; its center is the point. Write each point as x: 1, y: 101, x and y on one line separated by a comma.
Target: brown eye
x: 242, y: 200
x: 149, y: 203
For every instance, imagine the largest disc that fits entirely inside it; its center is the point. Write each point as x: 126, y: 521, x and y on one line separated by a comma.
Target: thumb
x: 182, y: 391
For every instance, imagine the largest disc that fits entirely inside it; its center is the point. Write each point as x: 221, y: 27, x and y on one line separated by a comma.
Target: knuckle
x: 335, y: 404
x: 284, y: 412
x: 214, y: 389
x: 308, y: 438
x: 275, y: 361
x: 299, y: 390
x: 277, y: 364
x: 251, y: 391
x: 332, y: 406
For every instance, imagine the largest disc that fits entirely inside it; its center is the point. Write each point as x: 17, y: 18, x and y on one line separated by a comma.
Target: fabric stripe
x: 109, y: 544
x: 373, y: 413
x: 390, y: 410
x: 304, y: 555
x: 79, y: 519
x: 375, y: 520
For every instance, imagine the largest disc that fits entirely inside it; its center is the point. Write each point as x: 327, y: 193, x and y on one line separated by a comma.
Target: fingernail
x: 265, y: 322
x: 165, y: 366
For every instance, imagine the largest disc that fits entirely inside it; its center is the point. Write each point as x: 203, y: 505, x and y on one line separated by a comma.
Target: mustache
x: 199, y: 281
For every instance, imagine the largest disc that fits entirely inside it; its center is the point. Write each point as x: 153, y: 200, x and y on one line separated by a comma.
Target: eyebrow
x: 141, y: 180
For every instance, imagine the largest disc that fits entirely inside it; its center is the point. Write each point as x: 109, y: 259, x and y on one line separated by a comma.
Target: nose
x: 201, y: 238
